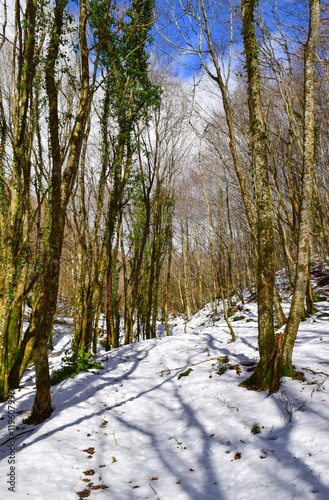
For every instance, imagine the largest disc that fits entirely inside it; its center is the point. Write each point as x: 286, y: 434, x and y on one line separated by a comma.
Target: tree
x: 63, y: 174
x: 283, y: 359
x: 204, y: 41
x: 264, y: 227
x: 276, y: 356
x: 128, y: 96
x: 15, y: 180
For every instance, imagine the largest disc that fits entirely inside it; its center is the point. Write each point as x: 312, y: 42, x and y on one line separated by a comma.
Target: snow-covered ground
x: 136, y: 431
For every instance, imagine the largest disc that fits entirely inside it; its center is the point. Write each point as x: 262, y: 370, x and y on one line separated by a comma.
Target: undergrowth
x: 255, y: 429
x: 74, y: 363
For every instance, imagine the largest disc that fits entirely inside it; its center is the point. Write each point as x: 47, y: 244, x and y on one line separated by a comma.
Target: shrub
x: 222, y: 365
x: 102, y: 342
x: 319, y: 298
x: 74, y: 363
x: 238, y: 318
x: 231, y: 311
x: 223, y: 361
x: 255, y: 428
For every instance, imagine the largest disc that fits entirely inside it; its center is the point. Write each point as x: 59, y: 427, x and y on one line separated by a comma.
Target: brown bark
x: 62, y: 185
x: 14, y: 218
x: 265, y: 236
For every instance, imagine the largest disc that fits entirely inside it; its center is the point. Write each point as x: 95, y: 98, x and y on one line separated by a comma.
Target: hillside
x: 135, y: 430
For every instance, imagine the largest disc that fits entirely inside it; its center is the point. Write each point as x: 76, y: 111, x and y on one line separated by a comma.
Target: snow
x: 137, y: 429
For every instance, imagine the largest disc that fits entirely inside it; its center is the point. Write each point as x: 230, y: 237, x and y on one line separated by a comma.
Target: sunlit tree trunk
x: 62, y: 185
x: 264, y: 230
x: 185, y: 273
x: 168, y: 276
x: 305, y: 216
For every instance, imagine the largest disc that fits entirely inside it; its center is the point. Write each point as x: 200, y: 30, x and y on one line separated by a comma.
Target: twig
x: 192, y: 349
x: 23, y: 411
x: 193, y: 364
x: 115, y: 438
x: 286, y: 403
x: 153, y: 488
x: 16, y: 435
x: 316, y: 373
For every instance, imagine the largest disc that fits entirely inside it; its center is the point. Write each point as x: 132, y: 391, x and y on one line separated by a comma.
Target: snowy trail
x: 134, y: 431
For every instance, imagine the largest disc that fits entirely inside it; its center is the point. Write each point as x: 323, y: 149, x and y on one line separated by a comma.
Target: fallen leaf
x: 192, y: 470
x: 154, y: 479
x: 91, y: 451
x: 84, y: 494
x: 90, y: 472
x: 99, y: 487
x: 237, y: 456
x: 134, y: 487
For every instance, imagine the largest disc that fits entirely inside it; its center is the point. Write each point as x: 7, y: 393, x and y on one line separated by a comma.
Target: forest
x: 164, y: 249
x: 155, y: 158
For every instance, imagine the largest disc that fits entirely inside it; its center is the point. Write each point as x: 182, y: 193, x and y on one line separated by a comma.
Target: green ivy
x: 74, y: 363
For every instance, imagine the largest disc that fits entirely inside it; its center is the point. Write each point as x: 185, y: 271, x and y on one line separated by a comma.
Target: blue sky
x: 293, y: 15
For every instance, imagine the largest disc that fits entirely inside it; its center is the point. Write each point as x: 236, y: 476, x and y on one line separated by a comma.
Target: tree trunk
x: 265, y: 238
x: 185, y: 275
x: 168, y: 275
x: 297, y: 305
x: 62, y: 185
x: 14, y: 216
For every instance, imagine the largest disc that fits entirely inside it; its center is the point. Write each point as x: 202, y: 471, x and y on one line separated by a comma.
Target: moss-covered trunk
x: 279, y: 363
x: 264, y: 229
x: 62, y: 185
x: 14, y: 196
